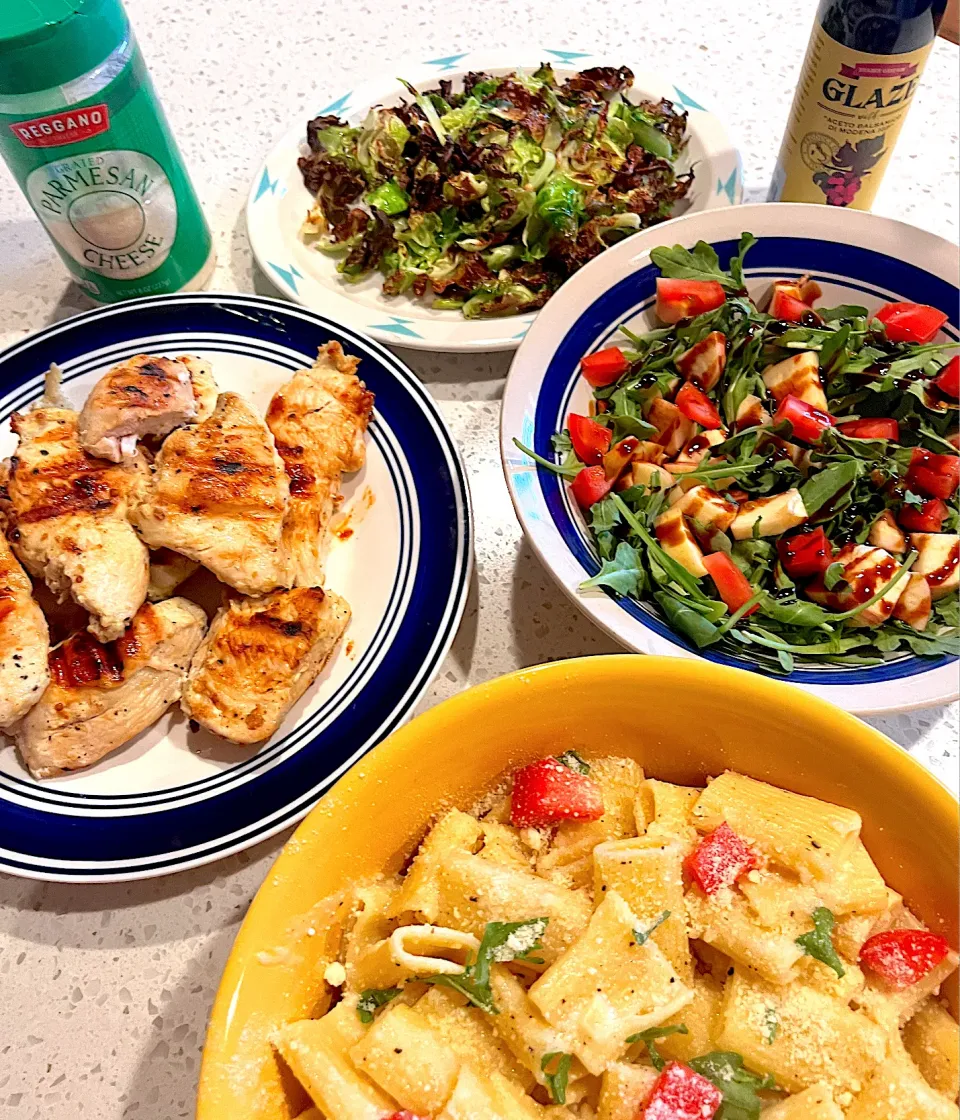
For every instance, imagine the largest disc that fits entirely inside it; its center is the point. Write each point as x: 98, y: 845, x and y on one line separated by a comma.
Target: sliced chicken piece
x: 68, y: 519
x: 101, y: 696
x: 168, y: 569
x: 205, y: 389
x: 259, y: 658
x: 219, y: 495
x: 24, y: 641
x: 318, y: 419
x: 141, y: 396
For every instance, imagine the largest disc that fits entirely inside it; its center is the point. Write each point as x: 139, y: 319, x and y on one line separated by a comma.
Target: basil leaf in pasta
x: 373, y: 998
x: 738, y: 1085
x: 642, y: 936
x: 771, y: 1025
x: 649, y: 1038
x: 819, y: 944
x: 501, y: 942
x: 574, y: 762
x: 557, y: 1080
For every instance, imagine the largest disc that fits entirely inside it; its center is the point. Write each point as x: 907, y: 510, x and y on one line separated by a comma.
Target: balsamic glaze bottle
x: 859, y: 76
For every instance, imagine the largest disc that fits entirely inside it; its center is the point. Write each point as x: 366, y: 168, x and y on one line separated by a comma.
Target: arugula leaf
x: 642, y: 936
x: 785, y: 657
x: 747, y: 242
x: 501, y: 942
x: 819, y: 944
x: 622, y: 574
x: 842, y: 311
x: 373, y: 998
x: 834, y: 352
x: 565, y: 470
x: 826, y: 485
x: 833, y: 576
x: 771, y: 1025
x: 738, y: 1085
x: 557, y: 1080
x: 681, y: 616
x: 702, y: 263
x: 574, y: 762
x: 604, y: 515
x: 624, y: 426
x: 650, y: 1037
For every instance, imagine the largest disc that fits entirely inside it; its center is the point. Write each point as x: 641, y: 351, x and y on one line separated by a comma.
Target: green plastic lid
x: 47, y: 43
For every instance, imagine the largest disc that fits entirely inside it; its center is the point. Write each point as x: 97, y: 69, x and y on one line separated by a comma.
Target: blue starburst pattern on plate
x: 266, y: 184
x: 687, y: 101
x: 448, y: 63
x: 288, y: 275
x: 337, y: 106
x: 729, y: 188
x: 568, y: 56
x: 397, y: 326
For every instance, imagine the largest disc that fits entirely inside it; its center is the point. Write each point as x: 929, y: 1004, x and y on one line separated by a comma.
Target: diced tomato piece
x: 904, y: 956
x: 604, y: 367
x: 733, y: 586
x: 404, y: 1115
x: 948, y: 379
x: 872, y: 427
x: 808, y: 423
x: 547, y: 792
x: 805, y: 554
x: 590, y: 485
x: 911, y: 322
x: 787, y: 303
x: 680, y: 1093
x: 697, y: 406
x: 937, y: 476
x: 590, y: 440
x: 720, y: 859
x: 682, y: 299
x: 928, y: 518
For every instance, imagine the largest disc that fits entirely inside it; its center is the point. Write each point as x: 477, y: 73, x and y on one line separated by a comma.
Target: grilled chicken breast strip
x: 101, y: 696
x: 143, y: 396
x: 218, y: 495
x: 318, y: 420
x: 259, y: 657
x: 24, y: 641
x: 67, y: 512
x: 168, y: 570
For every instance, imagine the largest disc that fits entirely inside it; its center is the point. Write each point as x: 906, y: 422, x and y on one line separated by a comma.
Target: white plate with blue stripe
x: 857, y: 258
x: 278, y: 201
x: 175, y: 798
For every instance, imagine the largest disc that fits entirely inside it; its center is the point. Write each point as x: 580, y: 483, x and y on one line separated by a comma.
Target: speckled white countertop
x: 105, y: 990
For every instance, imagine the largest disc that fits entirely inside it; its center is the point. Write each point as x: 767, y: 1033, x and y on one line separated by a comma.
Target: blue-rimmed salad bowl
x: 856, y: 258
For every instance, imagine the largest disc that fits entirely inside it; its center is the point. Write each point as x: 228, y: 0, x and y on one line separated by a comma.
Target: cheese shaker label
x: 113, y: 212
x: 62, y: 128
x: 846, y: 116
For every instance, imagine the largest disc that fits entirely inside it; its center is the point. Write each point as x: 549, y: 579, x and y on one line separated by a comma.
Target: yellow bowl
x: 682, y: 720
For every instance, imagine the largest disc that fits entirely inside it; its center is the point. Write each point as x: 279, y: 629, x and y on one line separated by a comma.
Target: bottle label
x: 846, y: 116
x: 113, y: 212
x: 62, y: 128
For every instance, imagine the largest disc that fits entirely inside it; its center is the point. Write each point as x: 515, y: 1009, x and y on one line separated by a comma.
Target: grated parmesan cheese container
x: 86, y: 139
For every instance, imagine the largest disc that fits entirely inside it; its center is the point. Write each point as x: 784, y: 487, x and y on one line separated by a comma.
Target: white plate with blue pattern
x: 856, y: 258
x: 173, y: 797
x: 278, y: 202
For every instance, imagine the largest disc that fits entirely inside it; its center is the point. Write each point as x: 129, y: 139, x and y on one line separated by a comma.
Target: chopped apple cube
x: 886, y: 533
x: 865, y: 570
x: 706, y: 506
x: 938, y: 562
x: 651, y: 475
x: 677, y: 540
x: 798, y: 375
x: 704, y: 362
x: 772, y: 516
x: 913, y: 606
x: 751, y: 413
x: 674, y: 428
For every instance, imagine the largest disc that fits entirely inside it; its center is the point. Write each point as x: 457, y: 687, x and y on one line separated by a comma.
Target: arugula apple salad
x: 780, y: 483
